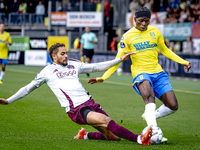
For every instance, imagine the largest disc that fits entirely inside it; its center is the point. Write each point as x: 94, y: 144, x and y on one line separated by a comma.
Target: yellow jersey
x: 3, y: 46
x: 145, y: 45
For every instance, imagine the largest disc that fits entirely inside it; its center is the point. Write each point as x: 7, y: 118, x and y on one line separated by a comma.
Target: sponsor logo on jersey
x: 122, y: 45
x: 144, y: 45
x: 1, y: 41
x: 152, y: 35
x: 67, y: 73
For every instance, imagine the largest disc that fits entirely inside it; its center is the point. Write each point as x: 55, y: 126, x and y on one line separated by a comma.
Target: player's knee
x: 107, y: 120
x: 174, y: 107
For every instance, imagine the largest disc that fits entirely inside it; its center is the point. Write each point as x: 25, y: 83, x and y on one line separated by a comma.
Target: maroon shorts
x: 75, y: 113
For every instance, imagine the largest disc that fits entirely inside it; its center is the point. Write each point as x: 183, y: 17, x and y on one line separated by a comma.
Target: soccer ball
x: 157, y: 134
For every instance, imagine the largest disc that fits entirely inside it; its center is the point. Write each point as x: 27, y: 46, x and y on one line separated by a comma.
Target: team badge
x: 152, y: 35
x: 122, y: 45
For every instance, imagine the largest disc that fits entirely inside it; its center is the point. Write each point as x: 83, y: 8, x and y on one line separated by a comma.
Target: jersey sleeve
x: 9, y: 39
x: 82, y: 39
x: 95, y: 38
x: 168, y: 53
x: 40, y: 79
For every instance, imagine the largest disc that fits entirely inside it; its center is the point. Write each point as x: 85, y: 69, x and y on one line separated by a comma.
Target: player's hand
x: 81, y: 53
x: 95, y: 80
x: 3, y: 101
x: 123, y: 58
x: 6, y: 42
x: 187, y: 67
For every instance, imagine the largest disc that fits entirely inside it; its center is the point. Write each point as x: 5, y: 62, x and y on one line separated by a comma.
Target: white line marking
x: 107, y: 82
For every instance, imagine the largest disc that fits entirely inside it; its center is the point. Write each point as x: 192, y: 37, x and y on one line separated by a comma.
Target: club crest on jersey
x: 122, y: 45
x: 152, y: 35
x: 70, y: 67
x: 55, y: 70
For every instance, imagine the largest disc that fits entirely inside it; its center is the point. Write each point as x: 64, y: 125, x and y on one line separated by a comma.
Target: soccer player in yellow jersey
x: 149, y: 79
x: 4, y: 41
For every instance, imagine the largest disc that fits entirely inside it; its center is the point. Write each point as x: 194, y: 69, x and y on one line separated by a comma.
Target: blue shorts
x: 159, y: 82
x: 3, y: 61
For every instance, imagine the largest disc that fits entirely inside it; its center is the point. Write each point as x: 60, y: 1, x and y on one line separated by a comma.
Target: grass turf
x: 38, y: 122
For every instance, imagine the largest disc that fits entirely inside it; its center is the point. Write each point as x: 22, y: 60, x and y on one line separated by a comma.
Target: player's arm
x: 9, y: 42
x: 111, y: 70
x: 19, y: 94
x: 171, y: 55
x: 81, y: 46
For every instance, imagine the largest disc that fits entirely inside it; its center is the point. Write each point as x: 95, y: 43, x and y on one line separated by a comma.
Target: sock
x: 2, y: 74
x: 164, y: 111
x: 121, y: 131
x: 139, y: 140
x: 95, y: 135
x: 149, y: 114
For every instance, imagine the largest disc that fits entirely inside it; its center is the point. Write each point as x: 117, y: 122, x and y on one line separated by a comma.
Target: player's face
x: 2, y: 27
x: 87, y: 29
x: 61, y: 57
x: 142, y: 23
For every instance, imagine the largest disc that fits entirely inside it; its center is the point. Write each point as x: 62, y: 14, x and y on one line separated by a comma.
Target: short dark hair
x: 54, y: 49
x: 142, y: 9
x: 2, y: 23
x: 143, y: 12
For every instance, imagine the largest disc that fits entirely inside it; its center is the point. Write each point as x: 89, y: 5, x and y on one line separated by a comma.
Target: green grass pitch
x: 38, y: 122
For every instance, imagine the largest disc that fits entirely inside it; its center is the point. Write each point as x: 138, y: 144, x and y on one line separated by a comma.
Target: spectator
x: 147, y: 4
x: 7, y: 11
x: 2, y: 7
x: 59, y: 9
x: 89, y: 5
x: 31, y: 11
x: 182, y: 4
x: 68, y: 7
x: 40, y: 11
x: 183, y: 16
x: 98, y: 5
x: 188, y: 46
x: 133, y: 6
x: 77, y: 43
x: 22, y: 12
x: 159, y: 5
x: 14, y: 7
x: 113, y: 44
x: 107, y: 11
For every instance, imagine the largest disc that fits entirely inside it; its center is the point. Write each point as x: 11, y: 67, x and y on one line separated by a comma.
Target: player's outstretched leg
x: 146, y: 137
x: 83, y: 134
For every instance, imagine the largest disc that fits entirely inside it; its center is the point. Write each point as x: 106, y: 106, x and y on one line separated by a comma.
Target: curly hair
x: 54, y: 49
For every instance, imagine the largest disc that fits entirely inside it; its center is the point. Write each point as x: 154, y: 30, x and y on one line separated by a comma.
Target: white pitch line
x: 107, y: 82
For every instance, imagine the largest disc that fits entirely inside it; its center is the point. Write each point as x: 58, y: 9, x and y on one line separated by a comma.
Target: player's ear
x: 54, y: 57
x: 135, y: 19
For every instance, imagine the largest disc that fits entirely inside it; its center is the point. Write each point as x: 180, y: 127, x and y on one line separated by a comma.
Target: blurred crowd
x: 178, y: 11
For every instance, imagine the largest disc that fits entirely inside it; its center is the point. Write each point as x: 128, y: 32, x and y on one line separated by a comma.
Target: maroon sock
x: 96, y: 136
x: 121, y: 131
